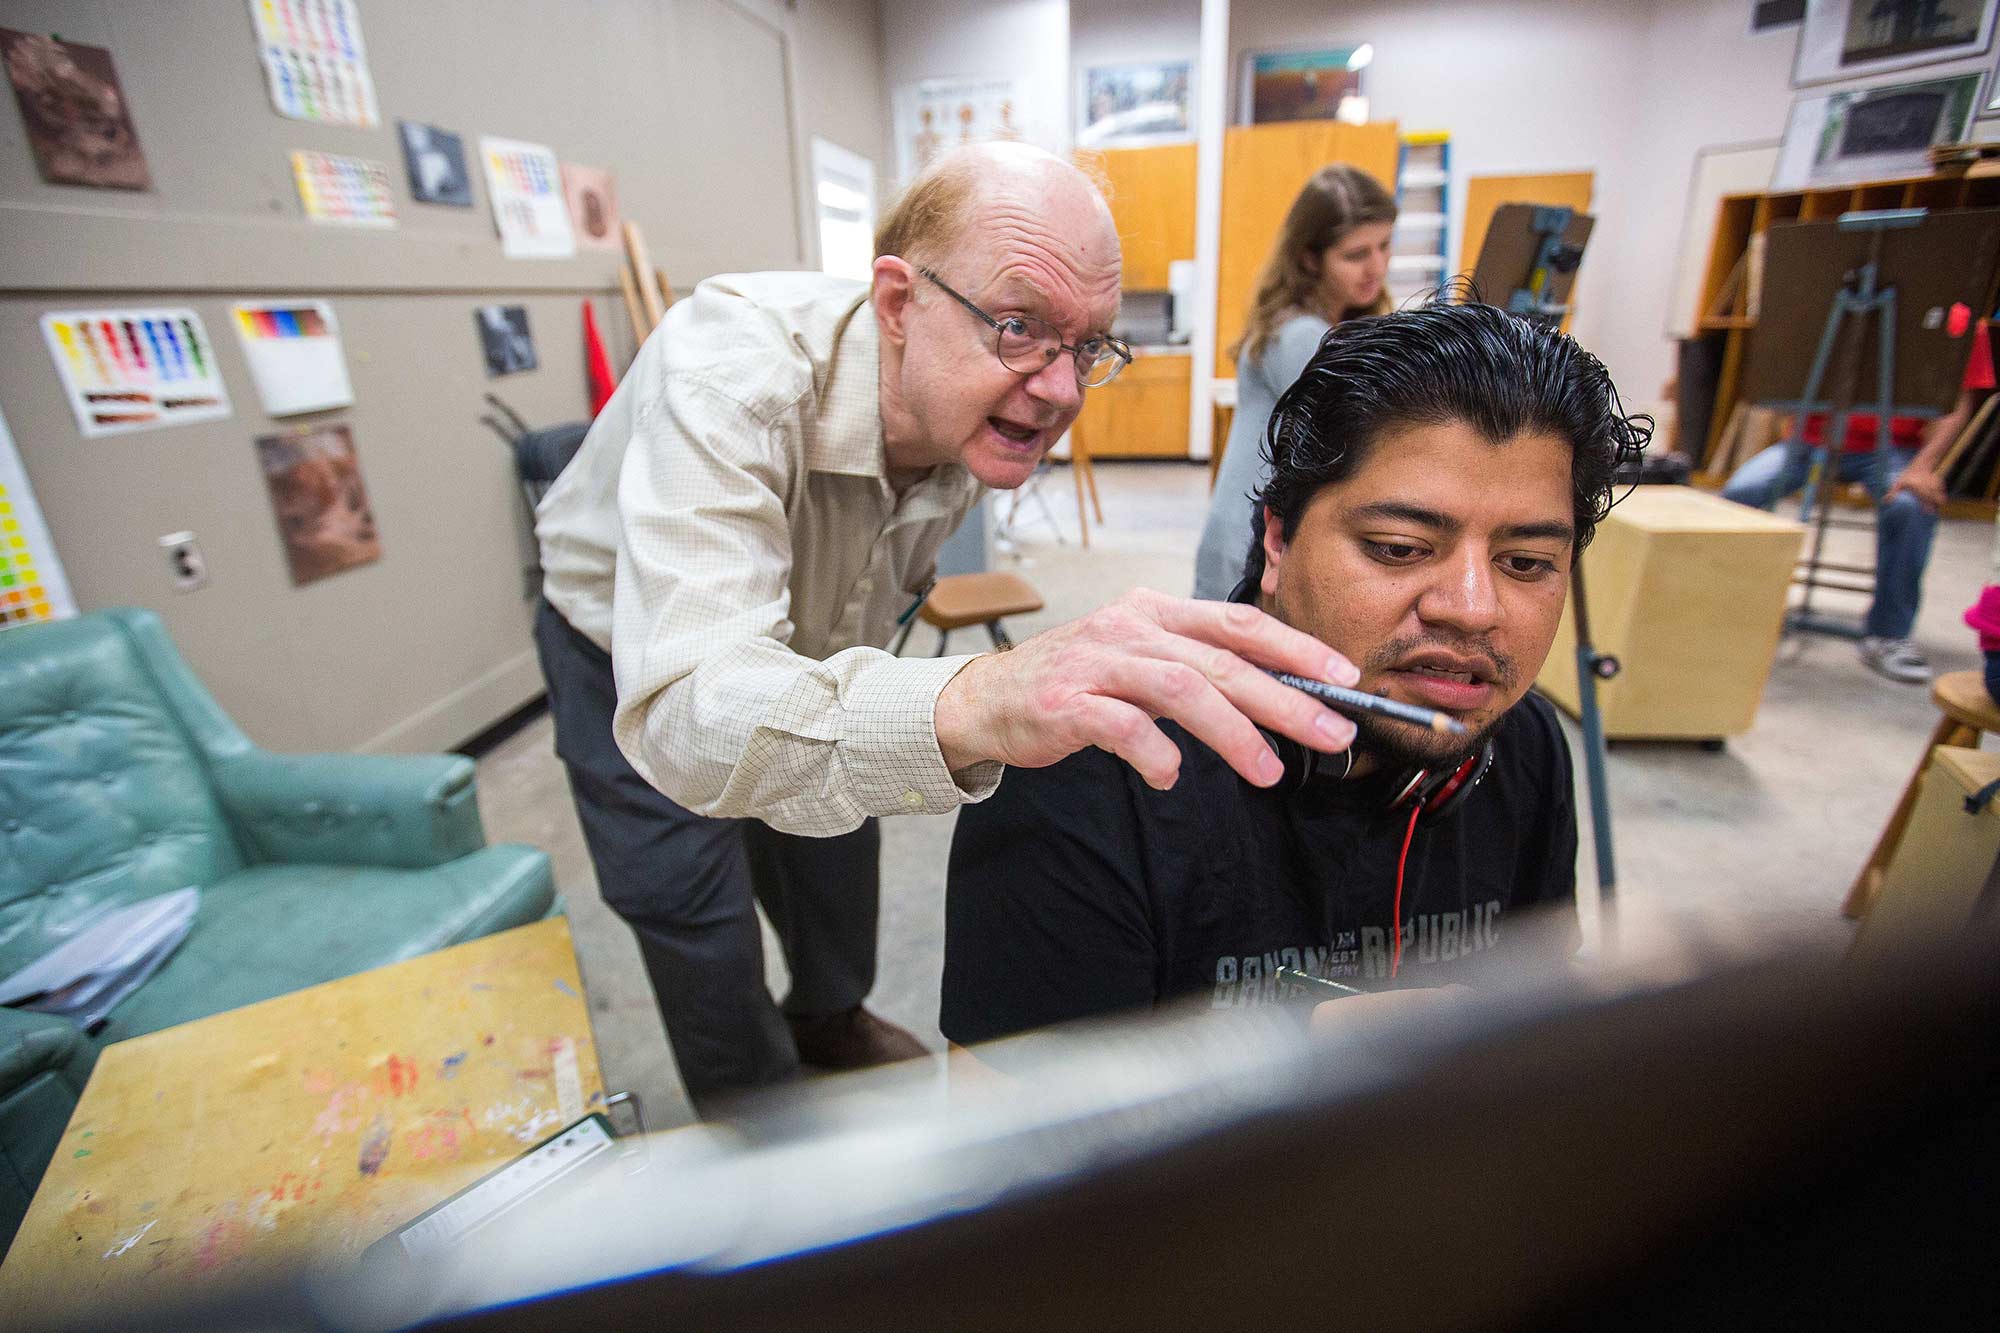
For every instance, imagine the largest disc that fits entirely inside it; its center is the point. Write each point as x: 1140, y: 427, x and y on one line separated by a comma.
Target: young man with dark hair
x: 1434, y: 472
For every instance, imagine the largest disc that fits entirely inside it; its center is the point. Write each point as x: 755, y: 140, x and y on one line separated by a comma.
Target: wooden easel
x: 647, y: 292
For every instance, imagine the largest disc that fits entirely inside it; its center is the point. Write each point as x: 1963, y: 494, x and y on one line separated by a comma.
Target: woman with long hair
x: 1330, y: 264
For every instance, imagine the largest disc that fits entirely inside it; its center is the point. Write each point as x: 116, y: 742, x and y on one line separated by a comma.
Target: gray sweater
x: 1225, y: 538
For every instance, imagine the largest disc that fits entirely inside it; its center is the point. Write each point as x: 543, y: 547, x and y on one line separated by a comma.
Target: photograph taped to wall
x: 318, y: 498
x: 524, y: 185
x: 593, y: 205
x: 293, y: 348
x: 1135, y: 104
x: 344, y: 191
x: 314, y: 62
x: 505, y: 340
x: 435, y: 160
x: 1887, y: 131
x: 1850, y: 39
x: 1303, y: 85
x: 935, y: 114
x: 74, y: 111
x: 32, y: 586
x: 126, y: 370
x: 1768, y: 14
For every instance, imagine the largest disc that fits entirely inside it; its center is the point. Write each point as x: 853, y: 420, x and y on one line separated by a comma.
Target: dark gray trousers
x: 688, y: 886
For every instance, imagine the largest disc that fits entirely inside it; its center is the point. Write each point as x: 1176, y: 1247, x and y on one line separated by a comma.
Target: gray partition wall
x: 691, y: 104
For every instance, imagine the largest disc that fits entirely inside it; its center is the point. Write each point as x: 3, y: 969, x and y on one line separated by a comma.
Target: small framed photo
x: 1853, y: 39
x: 1126, y: 105
x: 1323, y: 84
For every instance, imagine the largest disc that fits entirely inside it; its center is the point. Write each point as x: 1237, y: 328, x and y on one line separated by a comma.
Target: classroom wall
x: 687, y: 100
x: 1630, y: 89
x: 842, y: 81
x: 941, y: 39
x: 1117, y: 32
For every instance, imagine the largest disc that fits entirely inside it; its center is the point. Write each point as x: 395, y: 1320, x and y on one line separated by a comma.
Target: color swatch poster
x: 525, y: 184
x: 127, y: 370
x: 32, y: 586
x: 293, y: 348
x: 344, y: 191
x: 314, y: 61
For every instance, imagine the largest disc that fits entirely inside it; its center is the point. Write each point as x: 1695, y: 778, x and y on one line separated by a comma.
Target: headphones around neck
x: 1433, y: 796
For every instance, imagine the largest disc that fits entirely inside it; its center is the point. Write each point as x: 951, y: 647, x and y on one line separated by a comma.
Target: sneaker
x: 853, y: 1039
x: 1898, y: 659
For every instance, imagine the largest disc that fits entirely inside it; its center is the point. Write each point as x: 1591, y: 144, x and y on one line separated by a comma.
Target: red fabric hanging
x: 602, y: 382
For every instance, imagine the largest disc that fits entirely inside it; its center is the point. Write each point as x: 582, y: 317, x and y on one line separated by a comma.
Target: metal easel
x: 1556, y: 257
x: 1862, y: 296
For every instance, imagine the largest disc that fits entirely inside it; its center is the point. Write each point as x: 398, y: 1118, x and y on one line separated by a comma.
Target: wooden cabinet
x: 1687, y: 591
x: 1151, y: 192
x: 1141, y: 414
x: 1263, y: 169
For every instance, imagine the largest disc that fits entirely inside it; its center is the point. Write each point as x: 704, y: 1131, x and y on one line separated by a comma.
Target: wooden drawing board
x: 1950, y: 258
x: 308, y: 1126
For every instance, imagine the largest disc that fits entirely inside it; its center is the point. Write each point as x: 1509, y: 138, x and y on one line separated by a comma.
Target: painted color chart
x: 127, y: 370
x: 344, y: 191
x: 32, y: 586
x: 314, y: 61
x: 526, y: 186
x: 293, y: 348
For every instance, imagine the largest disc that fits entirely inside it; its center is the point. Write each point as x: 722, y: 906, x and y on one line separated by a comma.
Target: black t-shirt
x: 1077, y: 889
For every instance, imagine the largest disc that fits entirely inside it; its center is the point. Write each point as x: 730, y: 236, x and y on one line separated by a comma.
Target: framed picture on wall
x: 1322, y: 84
x: 1124, y: 105
x: 1851, y: 39
x: 1861, y: 134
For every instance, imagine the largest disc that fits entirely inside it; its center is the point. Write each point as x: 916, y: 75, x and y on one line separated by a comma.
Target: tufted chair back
x: 105, y: 794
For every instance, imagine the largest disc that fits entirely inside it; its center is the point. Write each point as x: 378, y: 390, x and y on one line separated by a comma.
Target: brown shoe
x: 853, y: 1039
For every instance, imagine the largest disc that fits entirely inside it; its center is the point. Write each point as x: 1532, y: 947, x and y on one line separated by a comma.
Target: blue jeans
x: 1904, y: 526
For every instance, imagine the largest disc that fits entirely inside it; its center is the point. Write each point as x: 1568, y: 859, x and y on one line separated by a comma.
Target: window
x: 844, y: 202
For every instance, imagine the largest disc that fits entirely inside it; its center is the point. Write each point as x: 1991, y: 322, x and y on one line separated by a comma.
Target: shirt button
x: 913, y: 799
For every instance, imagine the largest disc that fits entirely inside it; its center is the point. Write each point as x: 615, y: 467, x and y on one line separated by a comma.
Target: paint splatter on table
x: 307, y: 1126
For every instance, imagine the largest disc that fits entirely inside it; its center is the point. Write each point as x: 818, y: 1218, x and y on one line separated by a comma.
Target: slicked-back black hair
x: 1435, y: 364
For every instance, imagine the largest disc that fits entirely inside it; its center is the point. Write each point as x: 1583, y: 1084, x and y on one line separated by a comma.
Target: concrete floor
x: 1755, y: 845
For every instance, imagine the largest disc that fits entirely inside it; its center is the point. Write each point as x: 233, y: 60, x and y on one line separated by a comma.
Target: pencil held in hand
x: 1355, y: 701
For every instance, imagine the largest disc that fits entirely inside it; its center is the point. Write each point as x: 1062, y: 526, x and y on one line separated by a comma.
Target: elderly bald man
x: 756, y: 506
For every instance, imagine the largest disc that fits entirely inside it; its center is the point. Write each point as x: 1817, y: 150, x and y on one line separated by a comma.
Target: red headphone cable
x: 1396, y: 957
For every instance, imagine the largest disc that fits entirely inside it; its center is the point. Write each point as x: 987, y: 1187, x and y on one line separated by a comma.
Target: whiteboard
x: 1718, y: 170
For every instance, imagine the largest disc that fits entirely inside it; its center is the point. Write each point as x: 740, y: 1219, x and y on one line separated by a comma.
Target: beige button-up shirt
x: 728, y: 533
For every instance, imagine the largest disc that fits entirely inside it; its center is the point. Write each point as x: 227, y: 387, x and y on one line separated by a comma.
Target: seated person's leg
x: 1769, y: 476
x: 1904, y: 527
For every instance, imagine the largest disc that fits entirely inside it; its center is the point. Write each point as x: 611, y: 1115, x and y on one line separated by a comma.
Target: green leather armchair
x: 121, y: 778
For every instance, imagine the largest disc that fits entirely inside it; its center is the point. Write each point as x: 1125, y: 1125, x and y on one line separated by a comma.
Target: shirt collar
x: 849, y: 434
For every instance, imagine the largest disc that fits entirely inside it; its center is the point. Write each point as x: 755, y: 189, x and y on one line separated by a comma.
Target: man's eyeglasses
x: 1027, y: 345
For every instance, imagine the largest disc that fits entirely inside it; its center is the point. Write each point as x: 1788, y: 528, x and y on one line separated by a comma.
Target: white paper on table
x: 524, y: 185
x: 84, y: 976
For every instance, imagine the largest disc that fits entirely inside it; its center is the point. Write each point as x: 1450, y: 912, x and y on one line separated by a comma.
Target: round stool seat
x: 1961, y: 696
x: 960, y: 600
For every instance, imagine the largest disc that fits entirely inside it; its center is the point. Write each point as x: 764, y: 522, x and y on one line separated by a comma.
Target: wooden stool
x: 1968, y: 713
x: 961, y: 600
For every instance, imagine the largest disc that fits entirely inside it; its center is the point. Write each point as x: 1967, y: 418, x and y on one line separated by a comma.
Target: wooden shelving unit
x: 1725, y: 292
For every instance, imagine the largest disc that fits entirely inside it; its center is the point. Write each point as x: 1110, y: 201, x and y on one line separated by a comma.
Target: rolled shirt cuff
x: 890, y: 748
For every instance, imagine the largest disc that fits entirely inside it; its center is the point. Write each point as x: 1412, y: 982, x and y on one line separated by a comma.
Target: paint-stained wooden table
x: 307, y: 1126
